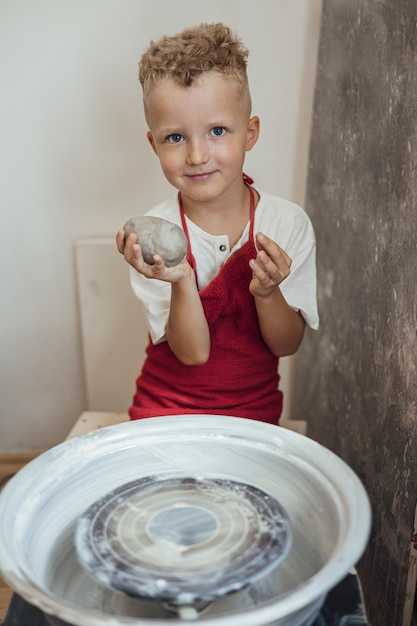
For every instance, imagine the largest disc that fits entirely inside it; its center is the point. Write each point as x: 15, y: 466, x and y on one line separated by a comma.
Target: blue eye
x: 218, y: 131
x: 175, y: 138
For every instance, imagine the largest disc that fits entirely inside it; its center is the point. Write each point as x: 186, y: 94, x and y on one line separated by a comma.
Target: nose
x: 197, y: 152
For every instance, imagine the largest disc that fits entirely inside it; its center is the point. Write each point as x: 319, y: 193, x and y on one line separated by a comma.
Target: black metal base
x: 343, y: 607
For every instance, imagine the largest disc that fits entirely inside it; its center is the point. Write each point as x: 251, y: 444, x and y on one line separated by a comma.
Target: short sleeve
x: 155, y: 296
x: 289, y: 225
x: 300, y: 287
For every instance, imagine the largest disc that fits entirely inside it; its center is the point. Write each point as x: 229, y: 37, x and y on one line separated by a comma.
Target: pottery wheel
x: 182, y: 540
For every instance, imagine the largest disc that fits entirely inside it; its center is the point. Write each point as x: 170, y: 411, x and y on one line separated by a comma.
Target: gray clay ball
x: 158, y: 236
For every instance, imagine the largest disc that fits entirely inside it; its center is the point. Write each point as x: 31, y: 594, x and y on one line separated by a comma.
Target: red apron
x: 241, y: 376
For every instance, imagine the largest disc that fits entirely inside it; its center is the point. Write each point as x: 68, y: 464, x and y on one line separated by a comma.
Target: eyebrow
x: 166, y: 132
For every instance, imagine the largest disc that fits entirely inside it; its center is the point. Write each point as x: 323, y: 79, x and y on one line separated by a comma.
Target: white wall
x: 74, y: 163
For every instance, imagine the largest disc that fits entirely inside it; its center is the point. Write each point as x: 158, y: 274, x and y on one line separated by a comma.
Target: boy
x: 220, y: 320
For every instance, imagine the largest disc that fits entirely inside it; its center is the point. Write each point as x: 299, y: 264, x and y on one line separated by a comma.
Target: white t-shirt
x: 281, y: 220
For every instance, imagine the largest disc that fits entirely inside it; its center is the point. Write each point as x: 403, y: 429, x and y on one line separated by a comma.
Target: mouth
x: 200, y: 176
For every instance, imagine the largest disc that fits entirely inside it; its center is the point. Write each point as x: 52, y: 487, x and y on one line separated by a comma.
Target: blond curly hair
x: 184, y: 57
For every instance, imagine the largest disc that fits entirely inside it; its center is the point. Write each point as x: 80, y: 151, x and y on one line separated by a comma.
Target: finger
x: 120, y: 240
x: 275, y: 271
x: 272, y: 248
x: 158, y: 261
x: 260, y: 272
x: 157, y: 269
x: 287, y: 258
x: 133, y: 253
x: 131, y: 247
x: 275, y: 255
x: 130, y: 240
x: 277, y: 268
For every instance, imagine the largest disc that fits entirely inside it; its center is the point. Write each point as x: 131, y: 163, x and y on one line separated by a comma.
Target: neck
x: 221, y: 218
x: 215, y: 216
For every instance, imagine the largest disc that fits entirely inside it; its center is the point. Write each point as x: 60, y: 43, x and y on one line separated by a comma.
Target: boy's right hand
x: 133, y: 255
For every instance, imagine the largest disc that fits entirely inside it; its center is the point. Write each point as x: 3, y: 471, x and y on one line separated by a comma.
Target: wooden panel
x: 356, y: 379
x: 93, y: 420
x: 113, y: 325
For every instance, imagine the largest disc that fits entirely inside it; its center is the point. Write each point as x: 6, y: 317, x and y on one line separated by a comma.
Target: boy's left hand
x: 271, y: 266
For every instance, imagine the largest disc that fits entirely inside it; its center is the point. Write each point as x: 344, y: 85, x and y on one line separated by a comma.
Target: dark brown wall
x: 356, y: 378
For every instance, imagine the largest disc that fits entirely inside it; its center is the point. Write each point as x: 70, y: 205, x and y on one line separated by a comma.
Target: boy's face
x: 201, y: 134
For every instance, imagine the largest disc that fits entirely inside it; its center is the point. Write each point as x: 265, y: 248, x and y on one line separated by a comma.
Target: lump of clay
x: 158, y: 236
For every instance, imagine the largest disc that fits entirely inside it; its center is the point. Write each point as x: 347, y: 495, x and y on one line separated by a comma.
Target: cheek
x: 232, y: 154
x: 170, y: 161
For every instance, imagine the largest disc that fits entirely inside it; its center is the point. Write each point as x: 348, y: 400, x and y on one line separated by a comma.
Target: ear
x: 151, y: 141
x: 253, y: 132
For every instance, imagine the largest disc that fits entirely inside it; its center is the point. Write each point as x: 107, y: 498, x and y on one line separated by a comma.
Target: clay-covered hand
x: 169, y: 266
x: 271, y: 266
